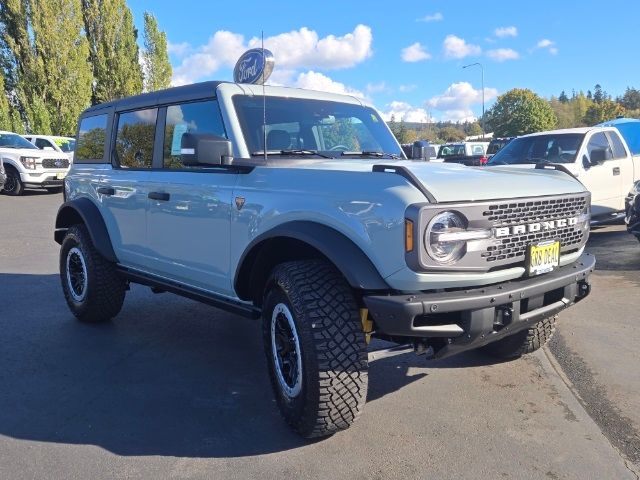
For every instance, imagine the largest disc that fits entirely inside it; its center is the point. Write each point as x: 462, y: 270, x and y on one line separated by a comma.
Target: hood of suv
x: 451, y: 182
x: 30, y: 152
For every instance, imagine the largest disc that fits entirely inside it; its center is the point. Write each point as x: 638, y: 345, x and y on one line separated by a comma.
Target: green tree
x: 631, y: 99
x: 157, y: 69
x: 604, y: 110
x: 563, y: 97
x: 62, y: 55
x: 451, y: 134
x: 520, y: 111
x: 113, y: 49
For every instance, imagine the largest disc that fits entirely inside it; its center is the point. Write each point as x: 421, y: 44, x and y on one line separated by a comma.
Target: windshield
x: 553, y: 148
x: 451, y: 151
x: 66, y: 144
x: 11, y: 140
x: 335, y: 129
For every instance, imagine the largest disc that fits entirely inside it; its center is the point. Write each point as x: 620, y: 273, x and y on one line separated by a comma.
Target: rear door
x: 604, y: 179
x: 189, y: 218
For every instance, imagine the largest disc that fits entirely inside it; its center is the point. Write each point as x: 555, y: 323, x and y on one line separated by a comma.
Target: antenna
x: 264, y: 101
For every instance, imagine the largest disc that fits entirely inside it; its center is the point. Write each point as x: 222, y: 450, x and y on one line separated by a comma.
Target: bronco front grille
x: 528, y: 211
x: 55, y: 163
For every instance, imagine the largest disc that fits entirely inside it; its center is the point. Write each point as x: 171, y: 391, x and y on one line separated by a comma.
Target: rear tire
x: 13, y: 186
x: 92, y: 287
x: 315, y: 347
x: 523, y: 342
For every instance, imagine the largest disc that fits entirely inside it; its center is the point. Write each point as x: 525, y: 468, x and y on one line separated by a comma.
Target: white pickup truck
x: 597, y: 156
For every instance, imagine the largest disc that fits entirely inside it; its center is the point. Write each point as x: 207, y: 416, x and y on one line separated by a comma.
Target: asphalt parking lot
x: 175, y: 389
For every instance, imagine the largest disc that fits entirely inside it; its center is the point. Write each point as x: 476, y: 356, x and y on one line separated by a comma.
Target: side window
x: 134, y: 138
x: 91, y: 139
x: 477, y: 150
x: 197, y: 117
x: 618, y: 147
x: 599, y: 142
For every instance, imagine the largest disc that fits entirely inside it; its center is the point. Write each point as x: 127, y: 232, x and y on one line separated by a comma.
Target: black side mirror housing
x: 598, y: 156
x: 205, y: 149
x: 586, y: 163
x: 420, y: 150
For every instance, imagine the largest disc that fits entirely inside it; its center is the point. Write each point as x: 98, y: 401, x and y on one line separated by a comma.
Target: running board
x: 233, y: 306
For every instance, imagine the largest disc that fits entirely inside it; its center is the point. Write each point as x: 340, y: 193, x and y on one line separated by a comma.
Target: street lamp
x: 482, y: 69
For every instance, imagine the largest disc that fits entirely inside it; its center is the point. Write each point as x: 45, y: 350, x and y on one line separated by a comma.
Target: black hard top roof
x: 170, y: 95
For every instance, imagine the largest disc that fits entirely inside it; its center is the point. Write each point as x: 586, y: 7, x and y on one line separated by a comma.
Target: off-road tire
x: 333, y: 384
x: 102, y: 298
x: 13, y: 181
x: 523, y: 342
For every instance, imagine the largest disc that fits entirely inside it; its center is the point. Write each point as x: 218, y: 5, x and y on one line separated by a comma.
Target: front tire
x: 92, y: 287
x: 524, y: 341
x: 315, y: 347
x: 13, y: 185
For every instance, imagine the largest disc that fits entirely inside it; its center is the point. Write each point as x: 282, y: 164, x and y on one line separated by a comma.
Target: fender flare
x: 84, y: 210
x: 347, y: 257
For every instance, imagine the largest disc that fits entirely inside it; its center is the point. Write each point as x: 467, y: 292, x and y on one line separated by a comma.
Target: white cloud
x: 547, y: 44
x: 503, y: 54
x: 296, y: 49
x: 456, y: 47
x: 317, y: 81
x: 407, y: 88
x: 456, y: 101
x: 377, y: 87
x: 178, y: 49
x: 415, y: 53
x: 304, y: 49
x: 405, y: 112
x: 502, y: 32
x: 436, y: 17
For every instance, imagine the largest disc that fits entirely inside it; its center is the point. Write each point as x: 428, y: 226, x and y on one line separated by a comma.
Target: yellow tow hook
x: 367, y: 324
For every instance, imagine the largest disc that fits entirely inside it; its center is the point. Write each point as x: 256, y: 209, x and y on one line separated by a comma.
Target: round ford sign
x: 254, y: 66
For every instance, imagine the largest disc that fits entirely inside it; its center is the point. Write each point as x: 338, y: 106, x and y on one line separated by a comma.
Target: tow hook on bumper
x: 466, y: 319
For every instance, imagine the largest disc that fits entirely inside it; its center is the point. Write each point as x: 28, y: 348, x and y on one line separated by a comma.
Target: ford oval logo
x: 254, y: 66
x: 58, y: 163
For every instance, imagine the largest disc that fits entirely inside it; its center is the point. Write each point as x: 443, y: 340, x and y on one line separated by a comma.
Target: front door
x: 603, y: 179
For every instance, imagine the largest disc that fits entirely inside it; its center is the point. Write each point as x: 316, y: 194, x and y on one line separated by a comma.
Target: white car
x: 27, y: 166
x: 66, y: 145
x: 598, y: 157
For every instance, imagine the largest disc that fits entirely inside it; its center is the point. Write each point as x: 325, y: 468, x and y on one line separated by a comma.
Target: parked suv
x: 26, y: 166
x: 50, y: 143
x: 298, y: 208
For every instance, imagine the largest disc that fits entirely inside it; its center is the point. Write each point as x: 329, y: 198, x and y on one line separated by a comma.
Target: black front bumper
x: 467, y: 319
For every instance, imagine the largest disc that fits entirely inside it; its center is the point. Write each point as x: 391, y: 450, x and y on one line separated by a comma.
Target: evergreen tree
x: 157, y: 69
x: 598, y: 94
x: 631, y: 99
x: 63, y: 52
x: 563, y: 97
x: 113, y: 49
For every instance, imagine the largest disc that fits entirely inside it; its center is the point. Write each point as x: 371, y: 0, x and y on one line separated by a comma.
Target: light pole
x: 482, y: 69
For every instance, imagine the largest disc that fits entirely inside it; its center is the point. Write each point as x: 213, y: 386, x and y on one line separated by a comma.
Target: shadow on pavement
x: 168, y: 376
x: 615, y: 249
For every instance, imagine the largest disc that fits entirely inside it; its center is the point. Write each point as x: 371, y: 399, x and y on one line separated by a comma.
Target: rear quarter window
x: 91, y: 139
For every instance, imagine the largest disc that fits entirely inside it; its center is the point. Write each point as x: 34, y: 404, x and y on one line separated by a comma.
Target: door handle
x: 106, y: 191
x: 162, y: 196
x: 616, y: 171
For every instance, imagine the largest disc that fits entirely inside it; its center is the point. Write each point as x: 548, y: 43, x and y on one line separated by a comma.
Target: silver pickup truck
x: 298, y: 209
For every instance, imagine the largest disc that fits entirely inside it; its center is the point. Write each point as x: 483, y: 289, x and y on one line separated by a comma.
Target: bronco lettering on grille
x: 535, y: 227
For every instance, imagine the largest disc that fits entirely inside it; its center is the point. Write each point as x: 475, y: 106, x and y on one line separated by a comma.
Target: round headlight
x: 441, y: 249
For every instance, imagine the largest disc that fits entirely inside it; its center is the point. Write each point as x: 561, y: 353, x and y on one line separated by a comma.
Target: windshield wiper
x: 371, y: 153
x: 260, y: 153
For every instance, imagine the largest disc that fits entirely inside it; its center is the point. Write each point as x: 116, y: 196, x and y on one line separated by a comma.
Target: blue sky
x: 407, y: 56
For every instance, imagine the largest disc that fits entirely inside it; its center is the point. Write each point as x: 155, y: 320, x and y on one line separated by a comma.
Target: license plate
x: 60, y: 176
x: 543, y: 257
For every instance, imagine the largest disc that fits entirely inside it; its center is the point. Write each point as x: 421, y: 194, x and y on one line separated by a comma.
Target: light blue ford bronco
x: 299, y: 209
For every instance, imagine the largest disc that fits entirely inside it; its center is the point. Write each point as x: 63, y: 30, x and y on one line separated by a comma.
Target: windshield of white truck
x: 11, y: 140
x: 300, y: 126
x: 552, y: 148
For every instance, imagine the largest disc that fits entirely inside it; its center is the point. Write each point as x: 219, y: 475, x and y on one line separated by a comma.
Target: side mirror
x: 205, y: 149
x: 420, y: 150
x: 585, y: 162
x: 598, y: 156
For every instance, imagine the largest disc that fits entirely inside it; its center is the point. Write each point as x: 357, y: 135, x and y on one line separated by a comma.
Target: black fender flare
x: 347, y: 257
x: 84, y: 210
